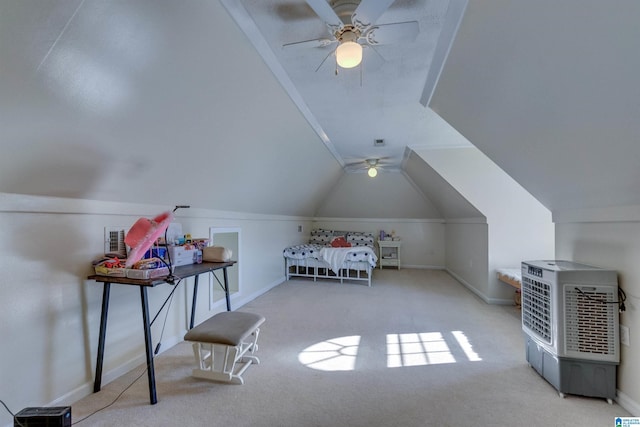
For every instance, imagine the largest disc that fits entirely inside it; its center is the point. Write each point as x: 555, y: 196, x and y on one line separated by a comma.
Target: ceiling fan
x: 352, y: 26
x: 370, y: 165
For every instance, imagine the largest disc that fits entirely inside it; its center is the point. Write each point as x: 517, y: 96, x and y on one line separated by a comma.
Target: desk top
x: 181, y: 272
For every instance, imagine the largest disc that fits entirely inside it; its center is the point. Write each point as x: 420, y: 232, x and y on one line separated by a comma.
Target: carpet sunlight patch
x: 336, y: 354
x: 425, y: 348
x: 402, y: 350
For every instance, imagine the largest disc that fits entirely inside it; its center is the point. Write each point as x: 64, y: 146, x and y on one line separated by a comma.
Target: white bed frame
x: 317, y: 269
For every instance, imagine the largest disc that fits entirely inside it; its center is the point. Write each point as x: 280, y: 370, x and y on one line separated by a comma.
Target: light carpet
x: 330, y: 356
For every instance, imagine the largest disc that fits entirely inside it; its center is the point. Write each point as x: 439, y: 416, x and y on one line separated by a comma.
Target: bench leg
x: 220, y: 362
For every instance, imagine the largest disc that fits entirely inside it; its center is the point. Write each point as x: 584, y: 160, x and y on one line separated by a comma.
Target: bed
x: 333, y: 255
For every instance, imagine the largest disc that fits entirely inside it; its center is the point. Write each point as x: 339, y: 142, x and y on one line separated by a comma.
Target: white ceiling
x: 379, y: 99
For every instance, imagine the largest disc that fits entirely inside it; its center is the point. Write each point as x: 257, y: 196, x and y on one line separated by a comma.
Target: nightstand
x: 389, y: 251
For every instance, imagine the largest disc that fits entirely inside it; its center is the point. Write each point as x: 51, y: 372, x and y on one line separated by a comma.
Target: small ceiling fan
x: 352, y: 26
x: 370, y: 165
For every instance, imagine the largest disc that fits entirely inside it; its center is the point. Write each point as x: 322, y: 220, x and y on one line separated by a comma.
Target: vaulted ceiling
x: 380, y: 98
x: 199, y: 101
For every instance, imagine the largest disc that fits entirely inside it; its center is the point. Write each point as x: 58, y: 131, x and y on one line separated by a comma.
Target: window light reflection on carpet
x: 336, y: 354
x: 402, y: 350
x: 466, y: 346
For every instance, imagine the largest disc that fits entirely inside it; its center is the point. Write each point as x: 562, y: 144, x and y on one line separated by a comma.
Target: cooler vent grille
x: 590, y: 320
x: 536, y: 307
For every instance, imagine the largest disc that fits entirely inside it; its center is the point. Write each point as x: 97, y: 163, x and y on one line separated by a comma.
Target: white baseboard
x: 628, y: 404
x: 483, y: 297
x: 167, y: 342
x: 241, y: 300
x: 424, y: 267
x: 468, y: 286
x: 87, y: 388
x: 500, y: 301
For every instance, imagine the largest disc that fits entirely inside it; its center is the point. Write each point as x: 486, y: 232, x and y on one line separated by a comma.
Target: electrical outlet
x: 624, y: 335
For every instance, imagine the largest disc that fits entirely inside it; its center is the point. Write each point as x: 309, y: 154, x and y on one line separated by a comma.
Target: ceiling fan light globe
x: 349, y: 54
x: 372, y: 172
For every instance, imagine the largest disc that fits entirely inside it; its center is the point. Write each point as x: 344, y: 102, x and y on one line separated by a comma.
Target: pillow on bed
x: 360, y: 239
x: 321, y: 237
x: 317, y: 231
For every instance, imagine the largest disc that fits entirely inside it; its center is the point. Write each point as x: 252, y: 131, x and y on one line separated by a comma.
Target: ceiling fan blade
x: 324, y: 11
x: 362, y: 163
x: 304, y: 44
x: 325, y: 58
x: 368, y: 12
x: 372, y: 60
x: 356, y: 166
x: 392, y: 33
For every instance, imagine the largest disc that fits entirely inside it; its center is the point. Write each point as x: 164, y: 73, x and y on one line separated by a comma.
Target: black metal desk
x: 181, y: 272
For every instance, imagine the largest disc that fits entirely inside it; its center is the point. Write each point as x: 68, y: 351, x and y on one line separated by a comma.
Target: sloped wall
x: 554, y: 107
x: 108, y: 104
x: 465, y: 237
x: 449, y: 202
x: 519, y: 227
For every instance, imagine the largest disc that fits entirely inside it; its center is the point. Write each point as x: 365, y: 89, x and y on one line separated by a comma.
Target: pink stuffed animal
x: 340, y: 242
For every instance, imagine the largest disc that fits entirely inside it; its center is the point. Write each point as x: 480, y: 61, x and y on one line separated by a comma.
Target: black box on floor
x: 59, y: 416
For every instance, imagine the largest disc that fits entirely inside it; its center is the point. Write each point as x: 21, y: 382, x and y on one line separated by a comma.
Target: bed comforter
x: 334, y: 257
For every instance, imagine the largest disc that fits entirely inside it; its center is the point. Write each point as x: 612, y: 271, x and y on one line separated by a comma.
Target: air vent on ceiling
x: 378, y: 142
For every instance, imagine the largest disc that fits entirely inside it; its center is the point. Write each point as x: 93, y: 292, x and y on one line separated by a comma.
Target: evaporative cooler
x: 571, y: 326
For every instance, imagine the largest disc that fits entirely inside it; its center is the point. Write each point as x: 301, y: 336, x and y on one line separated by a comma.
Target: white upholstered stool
x: 224, y: 345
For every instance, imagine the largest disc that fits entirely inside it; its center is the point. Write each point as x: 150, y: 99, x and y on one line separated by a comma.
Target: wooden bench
x: 512, y: 276
x: 224, y: 345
